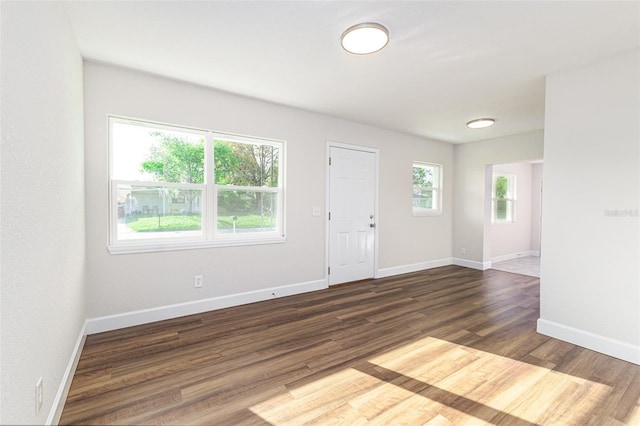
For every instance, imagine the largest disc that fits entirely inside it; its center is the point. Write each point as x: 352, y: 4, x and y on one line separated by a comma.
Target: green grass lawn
x: 186, y: 222
x: 243, y: 222
x: 191, y: 223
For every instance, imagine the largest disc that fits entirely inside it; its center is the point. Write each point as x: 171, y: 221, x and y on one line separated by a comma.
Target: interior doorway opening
x: 513, y: 216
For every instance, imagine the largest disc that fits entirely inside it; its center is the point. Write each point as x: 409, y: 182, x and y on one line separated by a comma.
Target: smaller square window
x: 427, y: 189
x: 504, y: 197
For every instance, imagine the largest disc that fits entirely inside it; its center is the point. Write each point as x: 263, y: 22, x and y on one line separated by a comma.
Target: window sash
x: 420, y: 199
x: 503, y: 209
x: 434, y: 199
x: 264, y: 220
x: 151, y: 205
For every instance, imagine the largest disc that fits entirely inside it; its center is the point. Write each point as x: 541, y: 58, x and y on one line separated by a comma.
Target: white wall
x: 124, y: 283
x: 510, y: 239
x: 590, y: 286
x: 42, y: 211
x: 536, y: 205
x: 471, y: 187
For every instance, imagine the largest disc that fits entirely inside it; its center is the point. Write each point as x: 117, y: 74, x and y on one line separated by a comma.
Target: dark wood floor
x: 446, y: 346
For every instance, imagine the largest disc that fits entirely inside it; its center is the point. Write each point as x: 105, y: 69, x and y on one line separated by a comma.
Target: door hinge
x: 329, y: 270
x: 329, y: 160
x: 329, y: 215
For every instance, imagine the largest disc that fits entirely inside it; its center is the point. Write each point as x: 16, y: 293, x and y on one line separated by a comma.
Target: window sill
x: 158, y: 246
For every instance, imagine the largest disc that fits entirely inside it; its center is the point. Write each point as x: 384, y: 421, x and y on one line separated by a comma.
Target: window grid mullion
x: 273, y: 189
x: 158, y: 184
x: 211, y: 195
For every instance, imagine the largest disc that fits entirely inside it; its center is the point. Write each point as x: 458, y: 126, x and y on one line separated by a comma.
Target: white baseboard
x: 515, y: 256
x: 595, y: 342
x: 128, y: 319
x: 405, y: 269
x: 144, y: 316
x: 482, y: 266
x: 67, y: 378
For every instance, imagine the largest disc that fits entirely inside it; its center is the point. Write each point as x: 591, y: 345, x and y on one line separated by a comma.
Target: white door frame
x: 376, y: 153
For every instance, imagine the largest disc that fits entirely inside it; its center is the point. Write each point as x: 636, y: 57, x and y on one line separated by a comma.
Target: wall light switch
x: 316, y: 211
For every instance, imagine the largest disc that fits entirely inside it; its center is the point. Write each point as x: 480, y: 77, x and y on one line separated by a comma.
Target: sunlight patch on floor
x: 419, y: 382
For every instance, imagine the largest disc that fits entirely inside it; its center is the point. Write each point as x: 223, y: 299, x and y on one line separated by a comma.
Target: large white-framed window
x: 174, y: 187
x: 504, y: 198
x: 427, y: 189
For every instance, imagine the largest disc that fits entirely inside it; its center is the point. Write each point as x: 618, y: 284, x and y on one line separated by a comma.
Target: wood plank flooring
x: 446, y: 346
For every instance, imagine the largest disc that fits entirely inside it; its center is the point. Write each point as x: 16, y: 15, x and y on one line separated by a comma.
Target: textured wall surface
x: 591, y: 226
x: 42, y: 213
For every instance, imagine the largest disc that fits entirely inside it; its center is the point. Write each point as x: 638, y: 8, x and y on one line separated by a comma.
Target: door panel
x: 352, y: 207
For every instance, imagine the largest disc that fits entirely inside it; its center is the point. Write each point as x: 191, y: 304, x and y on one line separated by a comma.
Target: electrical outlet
x: 197, y: 281
x: 39, y: 395
x: 463, y: 251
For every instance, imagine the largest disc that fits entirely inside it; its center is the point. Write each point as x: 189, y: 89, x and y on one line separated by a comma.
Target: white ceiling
x: 447, y: 62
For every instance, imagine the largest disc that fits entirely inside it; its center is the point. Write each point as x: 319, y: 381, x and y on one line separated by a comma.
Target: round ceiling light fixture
x: 480, y: 123
x: 365, y: 38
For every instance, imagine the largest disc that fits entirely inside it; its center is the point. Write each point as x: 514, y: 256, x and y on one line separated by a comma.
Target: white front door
x: 352, y: 192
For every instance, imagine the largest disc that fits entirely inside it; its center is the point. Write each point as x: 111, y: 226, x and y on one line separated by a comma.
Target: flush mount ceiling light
x: 366, y: 38
x: 480, y: 123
